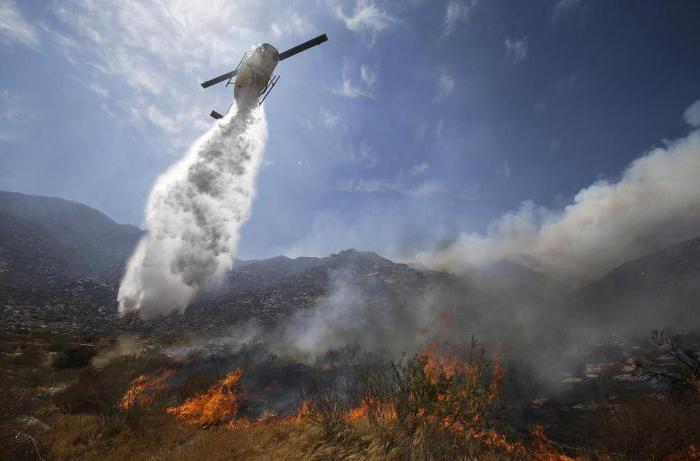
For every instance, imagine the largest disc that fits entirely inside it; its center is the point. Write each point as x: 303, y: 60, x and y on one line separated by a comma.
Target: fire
x: 303, y: 414
x: 455, y: 391
x: 443, y: 361
x: 689, y: 453
x: 142, y: 390
x: 219, y: 404
x: 464, y: 383
x: 544, y: 450
x: 382, y: 411
x: 466, y: 386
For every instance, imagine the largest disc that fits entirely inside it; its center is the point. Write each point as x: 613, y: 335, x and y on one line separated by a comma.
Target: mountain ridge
x: 66, y: 259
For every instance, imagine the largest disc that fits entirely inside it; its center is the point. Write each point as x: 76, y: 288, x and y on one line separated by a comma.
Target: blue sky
x: 418, y: 120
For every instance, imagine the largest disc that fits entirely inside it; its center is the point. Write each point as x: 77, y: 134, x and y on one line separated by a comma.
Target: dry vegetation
x: 446, y: 403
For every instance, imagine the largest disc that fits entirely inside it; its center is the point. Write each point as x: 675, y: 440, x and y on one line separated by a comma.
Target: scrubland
x: 451, y: 401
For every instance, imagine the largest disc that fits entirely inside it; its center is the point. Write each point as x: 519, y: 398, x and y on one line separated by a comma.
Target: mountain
x: 29, y: 253
x: 512, y: 281
x: 256, y: 273
x: 661, y: 285
x: 270, y: 290
x: 86, y: 240
x: 60, y: 264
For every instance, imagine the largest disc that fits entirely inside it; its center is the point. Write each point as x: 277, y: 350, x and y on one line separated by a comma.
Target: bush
x: 16, y: 440
x: 650, y: 427
x: 99, y: 391
x: 74, y: 357
x: 92, y: 393
x: 439, y: 404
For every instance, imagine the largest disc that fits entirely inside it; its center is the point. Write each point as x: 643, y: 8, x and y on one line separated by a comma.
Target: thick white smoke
x: 193, y: 217
x: 655, y: 203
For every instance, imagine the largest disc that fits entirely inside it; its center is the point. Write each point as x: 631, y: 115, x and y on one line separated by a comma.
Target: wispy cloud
x: 13, y: 26
x: 328, y: 118
x: 365, y: 156
x: 9, y: 107
x: 516, y: 49
x: 366, y: 17
x: 457, y: 11
x: 99, y: 90
x: 365, y: 87
x: 12, y: 116
x: 293, y: 24
x: 368, y: 74
x: 430, y: 129
x: 579, y: 10
x: 423, y: 189
x: 161, y: 51
x: 419, y: 169
x: 506, y: 170
x: 471, y: 193
x: 563, y: 7
x: 445, y: 85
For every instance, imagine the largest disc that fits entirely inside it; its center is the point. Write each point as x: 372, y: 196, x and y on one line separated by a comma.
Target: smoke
x: 655, y: 203
x: 530, y: 316
x: 193, y: 217
x: 125, y: 345
x: 388, y: 314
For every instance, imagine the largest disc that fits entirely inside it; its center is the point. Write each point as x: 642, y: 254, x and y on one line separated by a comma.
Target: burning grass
x: 448, y: 402
x: 142, y: 390
x: 442, y: 404
x: 219, y: 405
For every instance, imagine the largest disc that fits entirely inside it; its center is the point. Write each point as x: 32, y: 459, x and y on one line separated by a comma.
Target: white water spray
x: 193, y: 217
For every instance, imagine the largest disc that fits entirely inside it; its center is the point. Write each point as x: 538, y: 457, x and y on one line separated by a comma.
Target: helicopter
x: 254, y: 73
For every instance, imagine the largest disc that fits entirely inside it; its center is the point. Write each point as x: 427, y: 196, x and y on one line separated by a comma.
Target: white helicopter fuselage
x: 254, y: 73
x: 253, y: 78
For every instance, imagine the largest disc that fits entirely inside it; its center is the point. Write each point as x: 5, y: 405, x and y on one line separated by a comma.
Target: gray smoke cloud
x: 655, y: 203
x: 193, y: 217
x: 540, y: 326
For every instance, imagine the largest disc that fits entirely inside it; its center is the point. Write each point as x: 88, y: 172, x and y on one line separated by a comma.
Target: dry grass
x: 89, y: 437
x: 651, y: 427
x: 428, y: 408
x: 436, y: 401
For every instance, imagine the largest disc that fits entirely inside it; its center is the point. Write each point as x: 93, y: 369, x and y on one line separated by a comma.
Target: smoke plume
x: 193, y: 217
x: 655, y: 203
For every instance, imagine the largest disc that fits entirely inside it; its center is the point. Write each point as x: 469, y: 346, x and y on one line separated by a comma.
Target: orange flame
x: 382, y: 411
x: 689, y: 453
x: 444, y: 364
x: 544, y: 449
x: 218, y: 405
x: 142, y: 389
x: 221, y: 403
x: 303, y: 414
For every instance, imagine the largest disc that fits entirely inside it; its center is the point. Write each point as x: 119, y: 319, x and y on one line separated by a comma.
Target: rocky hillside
x: 60, y: 264
x: 87, y: 241
x: 270, y: 290
x: 664, y: 284
x: 29, y: 253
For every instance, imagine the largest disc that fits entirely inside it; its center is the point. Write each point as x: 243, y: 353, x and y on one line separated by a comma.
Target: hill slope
x: 660, y: 286
x: 101, y: 245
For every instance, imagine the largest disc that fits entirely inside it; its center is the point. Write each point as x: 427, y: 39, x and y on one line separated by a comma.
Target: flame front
x: 142, y: 390
x: 218, y: 405
x: 441, y: 389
